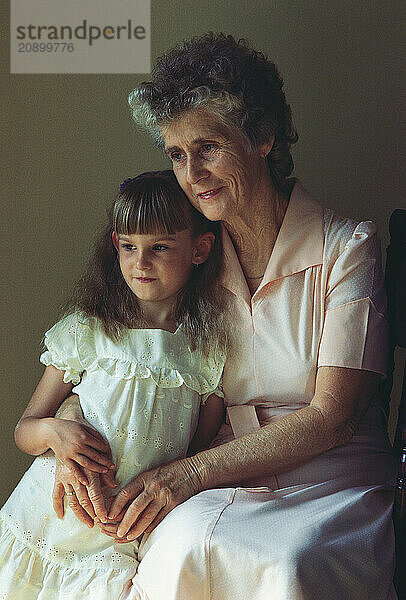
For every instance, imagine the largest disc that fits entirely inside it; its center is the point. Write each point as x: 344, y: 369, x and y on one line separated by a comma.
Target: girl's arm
x: 74, y: 444
x: 210, y: 419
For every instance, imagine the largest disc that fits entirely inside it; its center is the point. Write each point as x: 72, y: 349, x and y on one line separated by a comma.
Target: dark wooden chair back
x: 395, y: 281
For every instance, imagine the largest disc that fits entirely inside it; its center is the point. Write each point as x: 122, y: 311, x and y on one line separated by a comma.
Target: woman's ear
x: 202, y: 247
x: 114, y: 239
x: 265, y: 148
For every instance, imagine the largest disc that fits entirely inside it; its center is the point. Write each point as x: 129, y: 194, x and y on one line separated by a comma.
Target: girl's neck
x: 158, y: 315
x: 254, y: 233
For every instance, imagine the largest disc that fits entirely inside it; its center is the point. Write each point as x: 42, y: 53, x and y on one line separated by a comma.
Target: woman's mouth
x: 209, y: 194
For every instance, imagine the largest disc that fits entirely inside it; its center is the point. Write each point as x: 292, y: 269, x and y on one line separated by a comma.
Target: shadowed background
x: 67, y: 141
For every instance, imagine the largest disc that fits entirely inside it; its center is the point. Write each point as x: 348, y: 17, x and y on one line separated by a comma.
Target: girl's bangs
x: 152, y: 208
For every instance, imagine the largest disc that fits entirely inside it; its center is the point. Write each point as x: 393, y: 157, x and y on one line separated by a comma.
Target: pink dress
x: 323, y: 530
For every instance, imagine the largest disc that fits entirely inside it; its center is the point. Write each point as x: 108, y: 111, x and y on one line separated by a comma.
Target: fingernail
x: 131, y: 538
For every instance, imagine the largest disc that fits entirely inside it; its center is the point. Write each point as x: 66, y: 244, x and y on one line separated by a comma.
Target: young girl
x: 143, y: 347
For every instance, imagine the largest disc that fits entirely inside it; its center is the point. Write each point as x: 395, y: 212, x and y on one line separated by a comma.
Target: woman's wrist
x: 199, y: 469
x: 195, y: 472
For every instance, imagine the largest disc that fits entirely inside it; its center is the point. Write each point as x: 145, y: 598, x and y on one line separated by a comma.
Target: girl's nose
x: 195, y: 170
x: 142, y: 261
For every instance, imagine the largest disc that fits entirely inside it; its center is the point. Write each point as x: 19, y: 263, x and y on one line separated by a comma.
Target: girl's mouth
x: 145, y: 279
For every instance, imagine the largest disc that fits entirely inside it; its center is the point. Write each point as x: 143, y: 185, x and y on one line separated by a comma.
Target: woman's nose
x: 195, y: 170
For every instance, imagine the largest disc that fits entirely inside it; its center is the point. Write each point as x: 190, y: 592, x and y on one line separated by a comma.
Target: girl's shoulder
x: 61, y: 346
x: 69, y: 324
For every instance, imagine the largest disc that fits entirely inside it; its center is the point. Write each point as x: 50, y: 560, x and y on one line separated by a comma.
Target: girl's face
x: 157, y: 266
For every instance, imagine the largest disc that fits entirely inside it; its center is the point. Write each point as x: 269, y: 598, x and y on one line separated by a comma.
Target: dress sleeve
x: 218, y: 391
x: 61, y: 349
x: 355, y: 332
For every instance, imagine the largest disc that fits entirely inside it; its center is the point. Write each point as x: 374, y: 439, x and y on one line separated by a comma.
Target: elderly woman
x: 293, y: 501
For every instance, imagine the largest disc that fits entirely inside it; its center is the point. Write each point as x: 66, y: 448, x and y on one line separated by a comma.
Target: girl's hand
x: 88, y: 503
x: 75, y: 444
x: 149, y: 497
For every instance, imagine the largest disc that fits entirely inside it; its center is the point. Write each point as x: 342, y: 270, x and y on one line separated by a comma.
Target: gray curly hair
x: 236, y: 83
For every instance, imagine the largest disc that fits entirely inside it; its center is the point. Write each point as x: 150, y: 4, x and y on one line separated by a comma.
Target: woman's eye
x: 176, y: 156
x: 160, y: 247
x: 208, y: 147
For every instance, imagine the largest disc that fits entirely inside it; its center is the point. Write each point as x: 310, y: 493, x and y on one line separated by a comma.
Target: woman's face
x: 213, y: 164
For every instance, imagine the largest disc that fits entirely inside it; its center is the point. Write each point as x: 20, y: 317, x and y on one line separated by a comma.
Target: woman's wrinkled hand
x: 88, y: 502
x: 78, y: 445
x: 144, y: 502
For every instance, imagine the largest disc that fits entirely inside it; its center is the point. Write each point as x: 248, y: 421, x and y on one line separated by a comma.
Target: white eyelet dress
x: 143, y: 395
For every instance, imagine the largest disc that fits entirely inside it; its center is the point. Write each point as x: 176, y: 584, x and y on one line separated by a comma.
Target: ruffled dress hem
x: 23, y: 567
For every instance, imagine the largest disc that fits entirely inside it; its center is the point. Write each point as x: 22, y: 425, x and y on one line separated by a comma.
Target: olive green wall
x: 67, y: 142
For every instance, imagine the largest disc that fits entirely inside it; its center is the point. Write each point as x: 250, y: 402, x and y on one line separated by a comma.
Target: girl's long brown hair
x: 150, y: 203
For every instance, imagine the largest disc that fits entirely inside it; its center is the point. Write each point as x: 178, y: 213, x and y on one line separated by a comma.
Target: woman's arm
x: 210, y: 419
x: 70, y: 409
x: 341, y: 398
x: 74, y: 444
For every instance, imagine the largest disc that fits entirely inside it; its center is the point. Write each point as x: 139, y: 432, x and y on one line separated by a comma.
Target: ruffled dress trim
x: 51, y: 357
x: 24, y: 568
x: 86, y: 348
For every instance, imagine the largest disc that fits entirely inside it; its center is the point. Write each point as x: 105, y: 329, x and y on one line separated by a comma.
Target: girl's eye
x: 128, y: 247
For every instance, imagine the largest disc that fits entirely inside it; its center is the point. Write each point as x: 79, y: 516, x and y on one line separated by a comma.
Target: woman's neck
x: 254, y: 233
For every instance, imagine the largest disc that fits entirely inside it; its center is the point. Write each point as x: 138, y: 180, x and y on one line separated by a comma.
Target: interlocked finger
x: 110, y: 530
x: 133, y: 512
x: 79, y: 503
x: 160, y: 517
x: 95, y: 496
x: 85, y: 502
x: 145, y: 519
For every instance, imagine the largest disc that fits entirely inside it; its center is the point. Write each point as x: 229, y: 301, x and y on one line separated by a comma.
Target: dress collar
x: 299, y: 245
